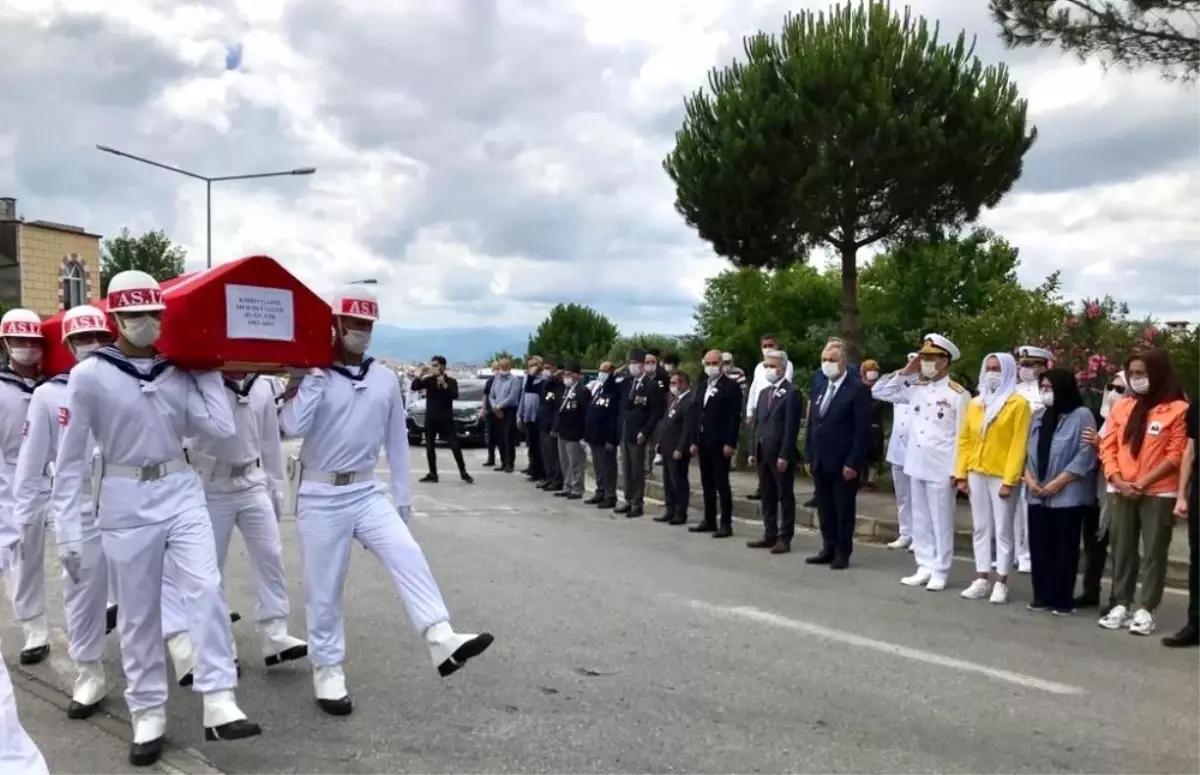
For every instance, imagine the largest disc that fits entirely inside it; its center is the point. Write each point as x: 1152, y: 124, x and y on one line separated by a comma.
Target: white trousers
x: 251, y: 511
x: 903, y: 485
x: 27, y: 579
x: 933, y: 525
x: 85, y: 603
x: 992, y: 522
x: 1021, y: 526
x: 139, y: 554
x: 19, y: 755
x: 328, y: 525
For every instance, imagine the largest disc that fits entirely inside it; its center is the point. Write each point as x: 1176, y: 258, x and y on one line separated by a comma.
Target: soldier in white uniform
x: 897, y: 443
x: 345, y: 414
x: 21, y: 330
x: 85, y: 587
x: 151, y: 509
x: 244, y: 482
x: 938, y: 407
x: 1032, y: 363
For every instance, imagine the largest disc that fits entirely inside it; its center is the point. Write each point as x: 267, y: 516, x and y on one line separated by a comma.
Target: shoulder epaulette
x: 957, y: 388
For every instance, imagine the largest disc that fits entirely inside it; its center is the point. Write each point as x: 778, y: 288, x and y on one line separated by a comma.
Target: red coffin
x: 247, y: 315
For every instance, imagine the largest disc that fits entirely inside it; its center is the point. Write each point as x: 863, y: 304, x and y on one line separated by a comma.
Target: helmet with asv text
x: 23, y: 323
x: 134, y: 291
x: 356, y: 301
x: 84, y: 319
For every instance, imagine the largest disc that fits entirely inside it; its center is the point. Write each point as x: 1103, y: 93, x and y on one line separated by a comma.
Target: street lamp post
x: 208, y: 181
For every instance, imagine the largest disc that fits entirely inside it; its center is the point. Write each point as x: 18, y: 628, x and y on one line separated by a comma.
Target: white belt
x: 146, y: 473
x: 336, y: 479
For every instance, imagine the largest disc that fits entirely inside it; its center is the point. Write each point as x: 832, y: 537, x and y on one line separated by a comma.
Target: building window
x: 74, y: 284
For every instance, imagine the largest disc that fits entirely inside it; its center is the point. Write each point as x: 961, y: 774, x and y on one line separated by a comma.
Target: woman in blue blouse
x: 1060, y: 471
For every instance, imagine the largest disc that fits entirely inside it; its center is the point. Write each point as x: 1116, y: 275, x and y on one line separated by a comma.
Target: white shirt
x: 14, y: 406
x: 256, y: 437
x: 938, y: 410
x: 760, y: 382
x: 898, y: 441
x: 831, y: 389
x: 1031, y: 391
x: 344, y: 423
x: 31, y: 480
x: 134, y: 423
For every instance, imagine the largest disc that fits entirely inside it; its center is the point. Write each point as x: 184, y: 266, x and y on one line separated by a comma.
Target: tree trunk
x: 851, y: 330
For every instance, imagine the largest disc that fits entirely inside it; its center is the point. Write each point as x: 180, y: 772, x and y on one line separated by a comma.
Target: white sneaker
x: 1115, y: 619
x: 999, y: 593
x: 903, y: 542
x: 979, y: 588
x: 935, y: 584
x: 1024, y: 566
x: 1143, y: 623
x: 918, y: 579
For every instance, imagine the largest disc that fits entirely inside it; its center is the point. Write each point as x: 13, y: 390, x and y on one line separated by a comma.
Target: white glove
x: 72, y: 563
x: 277, y: 504
x: 405, y: 513
x: 27, y: 533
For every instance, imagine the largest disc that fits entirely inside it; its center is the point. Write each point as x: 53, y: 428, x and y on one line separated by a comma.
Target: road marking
x: 765, y: 617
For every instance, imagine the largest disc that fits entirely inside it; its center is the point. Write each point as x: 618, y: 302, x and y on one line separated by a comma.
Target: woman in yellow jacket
x: 988, y: 468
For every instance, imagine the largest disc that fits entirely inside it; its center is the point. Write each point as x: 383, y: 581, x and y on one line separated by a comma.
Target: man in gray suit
x: 774, y: 455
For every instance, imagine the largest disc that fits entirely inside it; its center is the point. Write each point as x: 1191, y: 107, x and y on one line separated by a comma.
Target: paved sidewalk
x: 877, y: 521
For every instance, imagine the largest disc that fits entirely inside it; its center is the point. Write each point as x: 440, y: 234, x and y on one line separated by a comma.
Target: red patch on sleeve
x: 64, y: 415
x: 25, y: 429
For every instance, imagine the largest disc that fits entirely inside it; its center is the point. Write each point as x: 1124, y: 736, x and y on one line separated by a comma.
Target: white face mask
x: 84, y: 350
x: 356, y: 341
x: 1139, y: 385
x: 991, y: 380
x: 1048, y: 397
x: 25, y: 356
x: 1026, y: 374
x: 831, y: 369
x: 675, y: 390
x: 872, y: 375
x: 650, y: 369
x: 635, y: 369
x: 929, y: 369
x: 669, y: 368
x: 602, y: 377
x: 140, y: 332
x: 547, y: 373
x: 712, y: 371
x: 772, y: 374
x: 569, y: 381
x: 504, y: 372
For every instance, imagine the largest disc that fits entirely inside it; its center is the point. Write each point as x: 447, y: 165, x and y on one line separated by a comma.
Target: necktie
x: 825, y: 399
x: 770, y: 400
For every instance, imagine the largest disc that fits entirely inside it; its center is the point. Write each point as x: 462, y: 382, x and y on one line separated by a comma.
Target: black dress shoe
x: 110, y: 619
x: 77, y: 710
x: 724, y: 531
x: 820, y: 558
x: 146, y: 754
x: 754, y: 496
x: 634, y: 513
x: 762, y: 543
x: 1188, y: 636
x: 34, y: 655
x: 561, y: 494
x: 1087, y: 601
x: 467, y: 478
x: 525, y: 471
x: 811, y: 503
x: 681, y: 520
x: 622, y: 509
x: 543, y: 485
x: 469, y: 650
x: 702, y: 527
x: 299, y: 651
x: 574, y: 497
x: 663, y: 518
x: 606, y: 504
x: 432, y: 478
x: 234, y: 730
x: 342, y: 707
x: 840, y: 562
x: 507, y: 469
x: 592, y: 501
x: 489, y: 463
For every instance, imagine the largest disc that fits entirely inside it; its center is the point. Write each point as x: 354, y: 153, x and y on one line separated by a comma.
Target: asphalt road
x: 630, y: 646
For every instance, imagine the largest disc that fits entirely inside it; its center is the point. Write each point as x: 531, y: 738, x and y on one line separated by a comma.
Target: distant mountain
x: 458, y: 345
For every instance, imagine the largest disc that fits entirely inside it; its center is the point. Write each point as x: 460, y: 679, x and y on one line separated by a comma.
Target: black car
x: 468, y: 414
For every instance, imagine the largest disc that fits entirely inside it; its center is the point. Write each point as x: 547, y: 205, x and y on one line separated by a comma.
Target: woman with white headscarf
x: 988, y: 468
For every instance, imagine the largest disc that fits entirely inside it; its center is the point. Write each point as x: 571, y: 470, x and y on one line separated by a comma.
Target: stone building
x: 44, y: 266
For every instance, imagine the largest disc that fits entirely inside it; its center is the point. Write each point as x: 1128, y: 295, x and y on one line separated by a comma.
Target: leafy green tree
x: 517, y: 361
x: 618, y: 352
x: 1127, y: 33
x: 152, y: 253
x: 573, y: 332
x: 848, y: 128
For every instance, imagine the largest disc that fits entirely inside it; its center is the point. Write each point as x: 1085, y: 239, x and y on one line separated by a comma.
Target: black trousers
x: 778, y: 503
x: 491, y: 432
x: 444, y: 429
x: 1054, y: 552
x: 837, y: 502
x: 604, y: 462
x: 550, y: 464
x: 508, y: 436
x: 714, y: 481
x: 533, y: 441
x: 677, y: 490
x: 1194, y: 555
x: 1095, y: 555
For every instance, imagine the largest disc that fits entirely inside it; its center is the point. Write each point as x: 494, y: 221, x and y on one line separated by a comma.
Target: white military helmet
x: 23, y: 323
x: 134, y: 291
x: 83, y: 319
x: 356, y: 301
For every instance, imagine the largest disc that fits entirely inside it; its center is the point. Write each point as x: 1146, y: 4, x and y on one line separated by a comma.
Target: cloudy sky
x: 485, y: 159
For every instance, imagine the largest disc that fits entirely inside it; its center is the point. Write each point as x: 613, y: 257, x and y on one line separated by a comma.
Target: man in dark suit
x: 816, y: 386
x: 676, y: 434
x: 839, y: 433
x: 569, y: 424
x: 602, y: 431
x: 776, y: 430
x: 549, y: 394
x: 716, y: 443
x: 441, y: 392
x: 491, y: 430
x: 642, y: 407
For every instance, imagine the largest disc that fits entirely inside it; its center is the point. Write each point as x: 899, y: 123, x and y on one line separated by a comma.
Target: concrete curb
x: 882, y: 531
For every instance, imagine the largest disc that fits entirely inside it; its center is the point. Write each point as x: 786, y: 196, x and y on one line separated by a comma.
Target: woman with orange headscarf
x: 1141, y: 450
